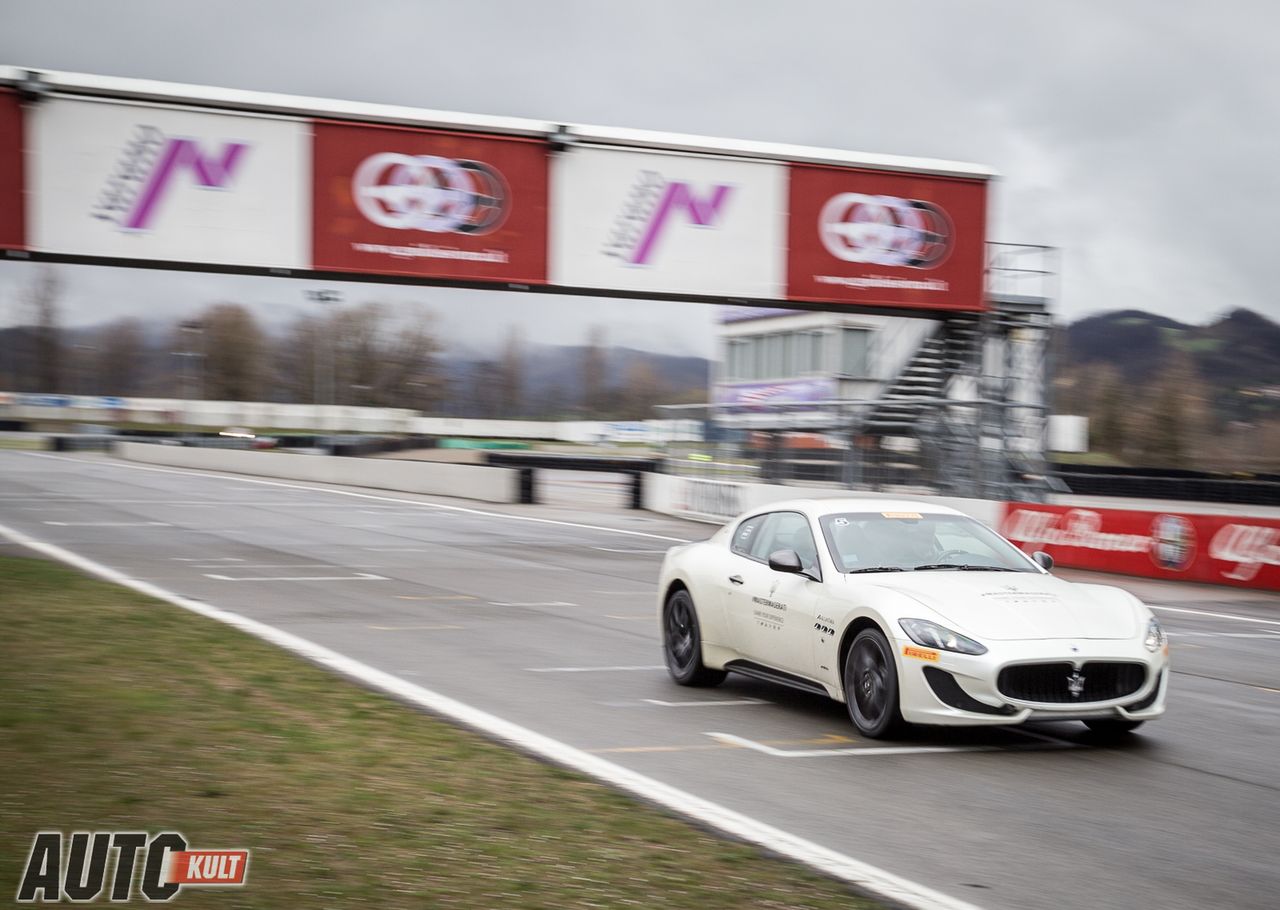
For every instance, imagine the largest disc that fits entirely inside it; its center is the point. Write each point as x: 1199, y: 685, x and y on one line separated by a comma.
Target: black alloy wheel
x: 682, y: 643
x: 871, y: 685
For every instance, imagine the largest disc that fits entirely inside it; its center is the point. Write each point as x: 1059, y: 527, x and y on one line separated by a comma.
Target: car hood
x: 1001, y: 606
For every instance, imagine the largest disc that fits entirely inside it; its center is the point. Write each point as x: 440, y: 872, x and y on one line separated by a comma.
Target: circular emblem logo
x: 428, y: 193
x: 1173, y: 542
x: 885, y: 230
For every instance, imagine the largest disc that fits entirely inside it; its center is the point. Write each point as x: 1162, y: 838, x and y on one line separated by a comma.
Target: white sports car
x: 910, y: 613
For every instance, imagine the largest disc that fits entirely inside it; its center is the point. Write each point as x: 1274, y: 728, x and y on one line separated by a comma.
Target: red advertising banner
x: 12, y: 211
x: 1215, y: 549
x: 431, y: 204
x: 871, y: 238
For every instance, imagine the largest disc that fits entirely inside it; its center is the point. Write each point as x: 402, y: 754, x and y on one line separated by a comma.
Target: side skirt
x: 769, y: 674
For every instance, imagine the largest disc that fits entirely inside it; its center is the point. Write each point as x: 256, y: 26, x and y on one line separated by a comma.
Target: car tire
x: 682, y: 643
x: 1112, y: 729
x: 871, y: 685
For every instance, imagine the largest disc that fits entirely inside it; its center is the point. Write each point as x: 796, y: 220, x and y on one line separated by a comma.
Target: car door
x: 771, y: 614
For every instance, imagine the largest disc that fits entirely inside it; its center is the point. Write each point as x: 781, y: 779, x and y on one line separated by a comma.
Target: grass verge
x: 122, y: 712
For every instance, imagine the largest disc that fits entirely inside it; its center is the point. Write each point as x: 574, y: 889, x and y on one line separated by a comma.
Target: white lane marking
x: 710, y: 703
x: 861, y: 874
x: 359, y: 576
x: 626, y: 550
x: 396, y: 549
x: 1043, y: 737
x: 280, y: 565
x: 1265, y: 622
x: 625, y: 593
x: 412, y: 502
x: 857, y: 750
x: 594, y: 669
x: 535, y: 603
x: 432, y: 627
x: 110, y: 524
x: 1268, y: 634
x: 206, y: 558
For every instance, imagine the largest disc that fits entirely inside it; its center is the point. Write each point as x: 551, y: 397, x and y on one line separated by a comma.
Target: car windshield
x: 915, y: 542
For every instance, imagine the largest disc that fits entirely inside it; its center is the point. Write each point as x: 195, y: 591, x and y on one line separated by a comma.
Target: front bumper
x: 961, y: 690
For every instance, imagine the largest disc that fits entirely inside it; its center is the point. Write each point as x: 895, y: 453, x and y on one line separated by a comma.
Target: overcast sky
x: 1142, y: 138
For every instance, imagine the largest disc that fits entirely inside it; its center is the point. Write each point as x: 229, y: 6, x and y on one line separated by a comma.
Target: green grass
x: 121, y: 712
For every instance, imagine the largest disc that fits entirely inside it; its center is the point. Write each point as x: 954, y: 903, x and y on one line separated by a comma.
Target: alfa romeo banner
x: 149, y: 182
x: 431, y: 204
x: 1215, y: 549
x: 12, y: 218
x: 873, y: 238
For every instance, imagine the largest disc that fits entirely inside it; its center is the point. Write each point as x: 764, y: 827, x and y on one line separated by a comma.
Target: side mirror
x: 1042, y: 559
x: 785, y: 561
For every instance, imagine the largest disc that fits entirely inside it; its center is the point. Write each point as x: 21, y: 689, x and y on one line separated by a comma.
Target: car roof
x: 837, y: 505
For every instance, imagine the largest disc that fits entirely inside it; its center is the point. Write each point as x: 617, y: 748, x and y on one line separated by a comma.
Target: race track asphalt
x: 553, y: 627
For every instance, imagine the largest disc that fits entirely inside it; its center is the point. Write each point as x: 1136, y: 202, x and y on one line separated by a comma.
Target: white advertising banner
x: 667, y: 223
x: 146, y: 182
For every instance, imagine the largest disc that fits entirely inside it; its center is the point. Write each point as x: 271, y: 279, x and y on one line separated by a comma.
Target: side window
x: 746, y: 535
x: 787, y: 531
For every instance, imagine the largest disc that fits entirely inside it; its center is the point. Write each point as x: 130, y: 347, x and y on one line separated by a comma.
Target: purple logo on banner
x: 652, y: 203
x: 148, y: 166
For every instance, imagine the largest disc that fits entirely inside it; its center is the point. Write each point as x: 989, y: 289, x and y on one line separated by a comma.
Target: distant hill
x: 1236, y: 356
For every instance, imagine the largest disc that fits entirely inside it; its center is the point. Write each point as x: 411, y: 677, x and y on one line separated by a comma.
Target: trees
x: 233, y: 348
x: 121, y: 353
x: 40, y: 357
x: 595, y: 393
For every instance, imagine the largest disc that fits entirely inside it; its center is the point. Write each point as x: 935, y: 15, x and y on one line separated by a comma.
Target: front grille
x: 1052, y: 683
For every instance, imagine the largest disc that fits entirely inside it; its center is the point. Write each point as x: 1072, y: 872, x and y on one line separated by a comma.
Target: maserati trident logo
x: 1075, y: 684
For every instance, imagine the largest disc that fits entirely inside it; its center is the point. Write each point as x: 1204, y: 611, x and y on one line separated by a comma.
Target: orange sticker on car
x: 919, y: 653
x: 901, y: 515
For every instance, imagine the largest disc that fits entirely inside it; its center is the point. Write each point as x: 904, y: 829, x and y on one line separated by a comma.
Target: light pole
x: 322, y: 297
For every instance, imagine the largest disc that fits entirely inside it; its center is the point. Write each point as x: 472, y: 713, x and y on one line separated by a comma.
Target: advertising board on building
x: 667, y: 223
x: 12, y: 219
x: 788, y: 391
x: 428, y: 203
x: 149, y: 182
x: 1214, y: 549
x: 882, y: 239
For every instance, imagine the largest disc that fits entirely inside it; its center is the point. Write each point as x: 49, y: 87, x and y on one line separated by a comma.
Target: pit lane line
x: 855, y: 872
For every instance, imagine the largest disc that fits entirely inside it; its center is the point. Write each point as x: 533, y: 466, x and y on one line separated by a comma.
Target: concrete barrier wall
x: 462, y: 481
x: 717, y: 500
x: 333, y: 418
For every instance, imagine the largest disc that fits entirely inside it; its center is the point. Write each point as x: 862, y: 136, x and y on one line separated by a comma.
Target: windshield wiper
x: 961, y: 568
x: 876, y: 569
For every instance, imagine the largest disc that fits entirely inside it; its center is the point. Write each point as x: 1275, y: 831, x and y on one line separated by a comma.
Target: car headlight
x: 932, y: 635
x: 1155, y: 638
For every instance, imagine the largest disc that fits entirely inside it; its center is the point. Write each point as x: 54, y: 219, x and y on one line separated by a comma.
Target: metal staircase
x: 926, y: 381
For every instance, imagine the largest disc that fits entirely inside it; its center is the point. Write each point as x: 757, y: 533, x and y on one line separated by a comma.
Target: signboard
x: 882, y: 239
x: 155, y: 183
x: 791, y: 391
x: 667, y: 223
x: 1215, y: 549
x: 12, y: 217
x: 433, y: 204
